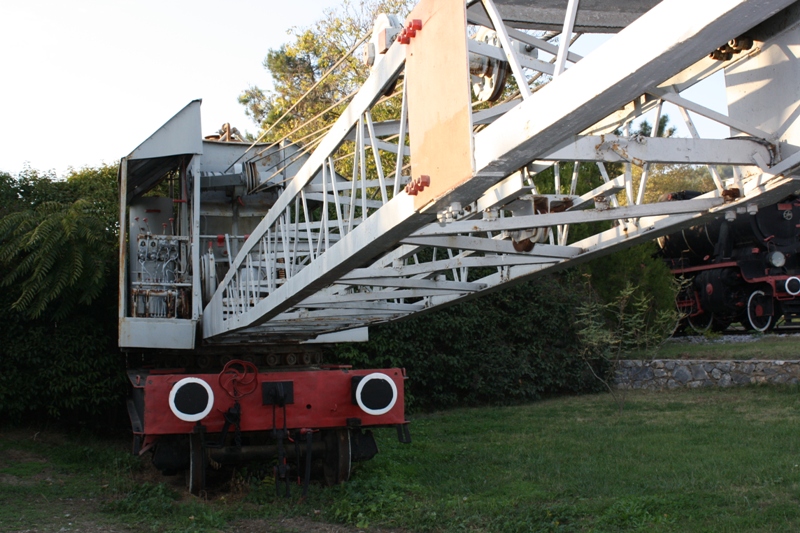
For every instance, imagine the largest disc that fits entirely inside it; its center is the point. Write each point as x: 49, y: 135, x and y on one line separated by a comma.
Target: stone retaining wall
x: 674, y: 373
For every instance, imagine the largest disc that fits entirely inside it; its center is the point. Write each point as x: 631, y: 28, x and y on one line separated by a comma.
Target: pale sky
x: 84, y: 82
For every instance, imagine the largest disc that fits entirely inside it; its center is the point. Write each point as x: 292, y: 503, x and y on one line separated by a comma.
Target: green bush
x: 70, y: 369
x: 510, y: 346
x: 636, y: 266
x: 58, y: 344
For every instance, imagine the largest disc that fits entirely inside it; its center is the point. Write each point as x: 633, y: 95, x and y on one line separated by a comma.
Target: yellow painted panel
x: 439, y: 111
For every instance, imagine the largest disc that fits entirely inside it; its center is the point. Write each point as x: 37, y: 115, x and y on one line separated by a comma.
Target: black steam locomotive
x: 744, y: 270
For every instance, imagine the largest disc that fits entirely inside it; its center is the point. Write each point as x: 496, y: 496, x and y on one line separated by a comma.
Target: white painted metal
x: 758, y: 88
x: 505, y: 41
x: 338, y: 249
x: 660, y: 150
x: 179, y: 135
x: 566, y: 37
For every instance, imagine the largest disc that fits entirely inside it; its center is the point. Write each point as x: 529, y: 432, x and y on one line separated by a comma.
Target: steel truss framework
x: 346, y: 245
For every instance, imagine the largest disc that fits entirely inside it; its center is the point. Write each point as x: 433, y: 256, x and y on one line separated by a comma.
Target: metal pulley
x: 488, y: 74
x: 524, y: 240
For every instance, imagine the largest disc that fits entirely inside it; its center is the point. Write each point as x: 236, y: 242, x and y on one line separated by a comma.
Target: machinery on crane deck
x: 238, y: 261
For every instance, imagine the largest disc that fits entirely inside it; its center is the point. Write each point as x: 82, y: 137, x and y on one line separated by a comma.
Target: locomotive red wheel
x: 758, y: 305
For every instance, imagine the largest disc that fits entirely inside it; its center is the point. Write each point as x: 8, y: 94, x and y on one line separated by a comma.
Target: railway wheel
x: 759, y: 307
x: 701, y: 322
x: 196, y: 475
x: 337, y: 456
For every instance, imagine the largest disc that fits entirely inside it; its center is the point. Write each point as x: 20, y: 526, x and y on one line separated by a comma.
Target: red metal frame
x: 678, y: 271
x: 322, y: 399
x: 770, y: 280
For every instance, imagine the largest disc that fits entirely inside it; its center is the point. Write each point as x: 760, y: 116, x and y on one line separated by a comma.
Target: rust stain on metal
x: 525, y: 245
x: 601, y: 145
x: 731, y: 194
x: 559, y: 206
x: 620, y: 151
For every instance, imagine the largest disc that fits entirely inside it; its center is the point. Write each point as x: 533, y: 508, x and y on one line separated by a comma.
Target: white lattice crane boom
x: 317, y: 252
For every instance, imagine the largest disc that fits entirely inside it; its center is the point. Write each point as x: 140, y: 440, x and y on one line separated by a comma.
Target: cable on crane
x: 286, y: 113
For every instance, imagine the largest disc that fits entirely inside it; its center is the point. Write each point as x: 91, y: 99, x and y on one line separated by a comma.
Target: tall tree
x: 297, y: 66
x: 668, y: 178
x: 664, y: 129
x: 673, y: 178
x: 57, y: 239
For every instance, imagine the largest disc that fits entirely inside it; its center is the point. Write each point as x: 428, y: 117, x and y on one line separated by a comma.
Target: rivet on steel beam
x: 425, y: 181
x: 416, y: 24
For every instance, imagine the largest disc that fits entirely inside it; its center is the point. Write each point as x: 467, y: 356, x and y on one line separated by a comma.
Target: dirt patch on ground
x: 74, y: 515
x: 296, y: 525
x: 13, y: 456
x: 14, y: 461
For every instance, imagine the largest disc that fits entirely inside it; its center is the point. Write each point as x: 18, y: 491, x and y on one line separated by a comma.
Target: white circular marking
x: 796, y: 282
x: 191, y: 417
x: 360, y: 388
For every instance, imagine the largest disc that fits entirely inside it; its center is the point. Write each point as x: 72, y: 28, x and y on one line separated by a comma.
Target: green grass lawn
x: 722, y: 460
x: 702, y: 460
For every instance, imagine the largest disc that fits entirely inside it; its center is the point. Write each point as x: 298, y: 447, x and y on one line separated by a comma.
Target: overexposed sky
x: 83, y: 82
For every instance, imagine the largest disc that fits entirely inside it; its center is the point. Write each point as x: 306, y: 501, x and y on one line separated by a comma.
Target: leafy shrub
x: 58, y: 344
x: 638, y: 267
x: 71, y: 368
x: 364, y: 500
x: 629, y: 324
x: 635, y: 514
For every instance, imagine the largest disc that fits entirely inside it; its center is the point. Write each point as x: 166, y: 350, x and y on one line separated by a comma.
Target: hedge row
x: 511, y: 346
